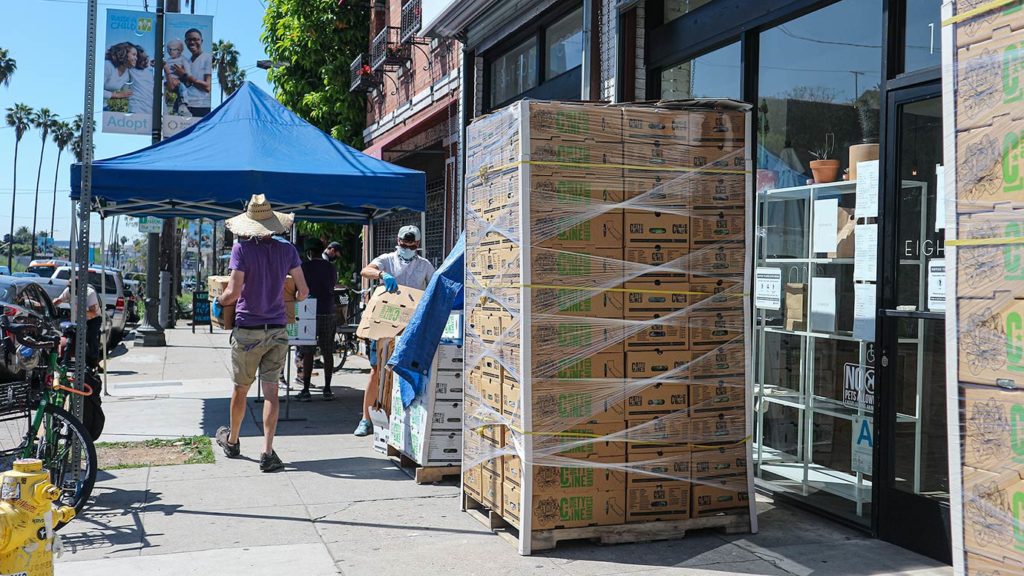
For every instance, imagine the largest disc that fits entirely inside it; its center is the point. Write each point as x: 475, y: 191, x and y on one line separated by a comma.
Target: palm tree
x: 44, y: 120
x: 225, y: 60
x: 18, y: 117
x: 63, y: 135
x: 8, y: 66
x: 76, y: 143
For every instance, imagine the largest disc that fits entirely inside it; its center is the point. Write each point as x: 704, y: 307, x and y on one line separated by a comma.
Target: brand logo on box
x: 574, y: 405
x: 576, y: 508
x: 1012, y: 261
x: 573, y: 477
x: 1013, y: 158
x: 572, y: 122
x: 1013, y: 69
x: 1014, y: 342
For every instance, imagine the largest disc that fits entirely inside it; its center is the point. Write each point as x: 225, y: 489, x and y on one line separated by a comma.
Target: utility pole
x: 151, y: 331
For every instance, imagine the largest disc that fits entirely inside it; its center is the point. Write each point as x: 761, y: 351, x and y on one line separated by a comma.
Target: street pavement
x: 341, y: 508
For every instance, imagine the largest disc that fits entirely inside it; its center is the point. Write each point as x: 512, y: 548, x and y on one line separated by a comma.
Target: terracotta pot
x: 825, y: 171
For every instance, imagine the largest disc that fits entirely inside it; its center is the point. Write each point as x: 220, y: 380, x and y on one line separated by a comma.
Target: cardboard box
x: 447, y: 415
x: 583, y: 441
x: 511, y: 503
x: 387, y: 313
x: 553, y: 189
x: 658, y: 502
x: 718, y: 294
x: 575, y: 155
x: 216, y: 286
x: 656, y: 228
x: 448, y: 385
x: 991, y: 341
x: 562, y: 403
x: 574, y: 121
x: 710, y: 329
x: 226, y: 319
x: 558, y: 338
x: 982, y: 270
x: 491, y: 486
x: 987, y: 80
x: 472, y: 482
x: 652, y: 189
x: 715, y: 394
x: 658, y: 399
x: 991, y: 438
x: 650, y: 438
x: 977, y: 565
x: 510, y: 401
x: 671, y: 336
x: 444, y: 447
x: 449, y: 357
x: 711, y: 497
x: 649, y: 298
x: 725, y: 361
x: 985, y: 25
x: 598, y: 366
x: 578, y: 229
x: 666, y: 262
x: 718, y: 226
x: 717, y: 127
x: 724, y: 461
x: 725, y: 427
x: 670, y: 464
x: 602, y: 475
x: 578, y: 508
x: 487, y: 388
x: 991, y: 512
x: 988, y: 170
x: 712, y: 263
x: 647, y: 364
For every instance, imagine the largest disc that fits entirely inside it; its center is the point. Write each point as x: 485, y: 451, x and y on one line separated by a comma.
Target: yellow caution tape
x: 988, y: 7
x: 986, y: 241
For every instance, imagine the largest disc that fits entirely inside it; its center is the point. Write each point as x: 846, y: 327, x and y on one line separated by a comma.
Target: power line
x: 832, y: 42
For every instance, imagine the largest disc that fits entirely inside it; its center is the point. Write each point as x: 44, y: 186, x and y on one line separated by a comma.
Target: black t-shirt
x: 321, y: 277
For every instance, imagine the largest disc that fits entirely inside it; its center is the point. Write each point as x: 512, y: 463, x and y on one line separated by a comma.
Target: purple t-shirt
x: 265, y: 263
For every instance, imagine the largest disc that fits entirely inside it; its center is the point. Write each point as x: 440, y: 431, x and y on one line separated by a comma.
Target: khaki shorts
x: 255, y: 349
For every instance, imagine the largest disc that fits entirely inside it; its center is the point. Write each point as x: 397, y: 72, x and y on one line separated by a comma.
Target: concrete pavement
x: 340, y: 508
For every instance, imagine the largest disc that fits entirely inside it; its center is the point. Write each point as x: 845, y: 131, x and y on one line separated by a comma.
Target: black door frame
x: 931, y: 533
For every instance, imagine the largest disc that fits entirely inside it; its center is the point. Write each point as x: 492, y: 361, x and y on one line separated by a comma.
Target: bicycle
x: 350, y: 308
x: 53, y: 434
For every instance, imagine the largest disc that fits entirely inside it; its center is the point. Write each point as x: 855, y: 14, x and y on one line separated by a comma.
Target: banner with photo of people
x: 188, y: 70
x: 128, y: 72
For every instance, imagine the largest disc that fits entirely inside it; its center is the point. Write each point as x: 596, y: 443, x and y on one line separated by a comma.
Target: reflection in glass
x: 514, y: 72
x: 564, y: 42
x: 782, y: 366
x: 780, y: 435
x: 818, y: 84
x: 712, y: 75
x: 922, y: 41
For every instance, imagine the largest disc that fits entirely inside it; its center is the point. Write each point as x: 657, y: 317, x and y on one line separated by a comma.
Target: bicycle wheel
x: 341, y: 347
x: 55, y: 447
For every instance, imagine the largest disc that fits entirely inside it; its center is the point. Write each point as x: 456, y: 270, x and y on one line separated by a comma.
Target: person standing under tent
x: 321, y: 278
x: 259, y: 341
x: 403, y: 267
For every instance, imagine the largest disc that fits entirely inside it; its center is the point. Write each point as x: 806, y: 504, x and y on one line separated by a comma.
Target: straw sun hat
x: 259, y: 219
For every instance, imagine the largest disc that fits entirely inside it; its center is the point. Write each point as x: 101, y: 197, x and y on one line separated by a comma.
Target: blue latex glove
x: 215, y: 308
x: 390, y: 284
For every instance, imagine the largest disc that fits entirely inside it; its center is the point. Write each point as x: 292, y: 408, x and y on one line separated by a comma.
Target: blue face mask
x: 405, y: 253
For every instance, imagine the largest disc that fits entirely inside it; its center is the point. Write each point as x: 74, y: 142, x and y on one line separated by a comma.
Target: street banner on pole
x: 188, y: 70
x: 128, y: 72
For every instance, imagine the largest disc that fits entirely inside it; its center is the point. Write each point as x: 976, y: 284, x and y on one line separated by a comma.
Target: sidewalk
x: 340, y: 508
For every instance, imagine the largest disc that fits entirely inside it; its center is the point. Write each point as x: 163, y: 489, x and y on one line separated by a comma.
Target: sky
x: 49, y: 46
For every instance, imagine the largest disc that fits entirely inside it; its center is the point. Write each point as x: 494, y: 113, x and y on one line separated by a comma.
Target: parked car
x: 24, y: 275
x: 45, y: 268
x: 114, y: 301
x: 25, y: 302
x: 5, y: 271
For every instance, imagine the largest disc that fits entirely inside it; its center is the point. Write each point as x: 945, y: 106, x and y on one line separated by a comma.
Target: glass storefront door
x: 913, y: 491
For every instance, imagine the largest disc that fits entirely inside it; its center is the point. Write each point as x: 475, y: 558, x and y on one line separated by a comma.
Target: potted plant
x: 825, y: 168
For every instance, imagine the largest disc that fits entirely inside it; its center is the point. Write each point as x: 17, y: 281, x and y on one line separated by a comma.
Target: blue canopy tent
x: 252, y: 144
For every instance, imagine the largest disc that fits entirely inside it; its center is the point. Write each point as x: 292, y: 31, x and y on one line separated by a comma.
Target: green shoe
x: 365, y: 428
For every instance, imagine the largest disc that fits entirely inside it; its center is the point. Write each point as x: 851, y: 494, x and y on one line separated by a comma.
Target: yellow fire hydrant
x: 27, y: 518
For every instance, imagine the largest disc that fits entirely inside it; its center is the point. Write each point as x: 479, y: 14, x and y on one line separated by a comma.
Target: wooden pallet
x: 422, y: 474
x: 734, y: 523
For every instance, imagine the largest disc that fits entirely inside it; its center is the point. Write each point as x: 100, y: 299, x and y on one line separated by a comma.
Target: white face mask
x: 405, y: 253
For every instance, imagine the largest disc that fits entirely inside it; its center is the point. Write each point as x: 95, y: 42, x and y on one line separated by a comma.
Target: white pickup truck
x: 113, y: 297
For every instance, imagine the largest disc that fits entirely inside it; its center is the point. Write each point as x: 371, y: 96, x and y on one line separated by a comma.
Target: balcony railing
x: 363, y: 77
x: 387, y: 51
x: 412, y: 20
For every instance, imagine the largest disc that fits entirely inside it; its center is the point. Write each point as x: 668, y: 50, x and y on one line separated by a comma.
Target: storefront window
x: 676, y: 8
x: 564, y: 41
x: 514, y: 72
x: 922, y: 35
x: 818, y: 100
x: 712, y: 75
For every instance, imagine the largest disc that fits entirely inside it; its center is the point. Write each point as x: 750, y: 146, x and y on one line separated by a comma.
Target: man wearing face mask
x: 332, y: 252
x: 403, y: 267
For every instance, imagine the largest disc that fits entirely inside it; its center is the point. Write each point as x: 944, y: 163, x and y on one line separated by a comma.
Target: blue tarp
x: 252, y: 144
x: 416, y: 348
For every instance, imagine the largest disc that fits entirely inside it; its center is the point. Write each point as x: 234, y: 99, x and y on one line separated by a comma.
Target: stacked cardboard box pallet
x: 606, y: 345
x: 983, y: 46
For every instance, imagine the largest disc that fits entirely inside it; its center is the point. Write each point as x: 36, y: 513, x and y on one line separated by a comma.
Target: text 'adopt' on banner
x: 128, y: 71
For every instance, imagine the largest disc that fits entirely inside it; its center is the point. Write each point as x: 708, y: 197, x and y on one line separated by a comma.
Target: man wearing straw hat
x: 259, y: 342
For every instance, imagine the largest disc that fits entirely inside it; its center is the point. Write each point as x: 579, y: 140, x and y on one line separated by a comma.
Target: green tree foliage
x: 63, y: 135
x: 43, y: 120
x: 8, y: 66
x: 317, y: 40
x: 345, y: 234
x: 18, y: 117
x: 225, y: 60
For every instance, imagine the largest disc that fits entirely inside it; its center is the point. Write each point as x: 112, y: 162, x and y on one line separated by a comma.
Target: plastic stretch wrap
x: 606, y: 313
x: 983, y: 47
